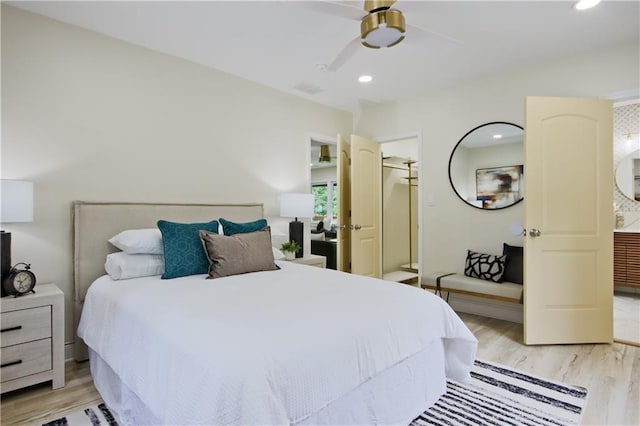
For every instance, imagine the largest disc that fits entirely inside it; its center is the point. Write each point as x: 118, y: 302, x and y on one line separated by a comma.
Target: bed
x: 293, y: 345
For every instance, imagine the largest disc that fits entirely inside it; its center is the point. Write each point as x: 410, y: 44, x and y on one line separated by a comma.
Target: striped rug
x: 497, y: 395
x: 91, y: 416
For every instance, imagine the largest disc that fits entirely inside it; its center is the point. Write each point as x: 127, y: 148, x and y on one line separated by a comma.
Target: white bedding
x: 272, y: 347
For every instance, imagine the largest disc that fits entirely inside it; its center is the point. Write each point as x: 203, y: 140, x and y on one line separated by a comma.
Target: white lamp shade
x: 296, y: 205
x: 17, y: 201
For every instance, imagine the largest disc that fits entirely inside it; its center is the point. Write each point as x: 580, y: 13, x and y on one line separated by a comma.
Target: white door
x: 344, y: 205
x: 360, y: 187
x: 366, y: 189
x: 568, y: 284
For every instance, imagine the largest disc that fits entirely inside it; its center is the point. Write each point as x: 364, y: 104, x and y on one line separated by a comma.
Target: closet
x: 400, y: 248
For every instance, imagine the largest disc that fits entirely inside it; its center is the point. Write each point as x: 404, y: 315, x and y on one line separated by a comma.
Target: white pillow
x: 139, y: 241
x: 319, y: 236
x: 122, y: 266
x: 277, y: 254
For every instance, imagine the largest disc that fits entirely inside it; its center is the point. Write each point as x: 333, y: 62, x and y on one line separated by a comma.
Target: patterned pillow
x: 238, y: 254
x: 484, y: 266
x: 232, y: 228
x: 183, y: 253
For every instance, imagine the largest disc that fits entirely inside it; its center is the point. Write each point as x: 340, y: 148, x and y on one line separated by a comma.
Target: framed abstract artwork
x: 498, y: 187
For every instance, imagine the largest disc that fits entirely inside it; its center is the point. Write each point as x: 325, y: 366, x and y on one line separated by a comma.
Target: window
x: 325, y: 197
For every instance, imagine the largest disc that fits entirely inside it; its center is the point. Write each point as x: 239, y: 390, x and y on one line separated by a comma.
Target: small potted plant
x: 289, y: 248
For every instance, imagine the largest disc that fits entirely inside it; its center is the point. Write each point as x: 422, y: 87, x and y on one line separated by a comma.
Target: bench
x: 462, y: 284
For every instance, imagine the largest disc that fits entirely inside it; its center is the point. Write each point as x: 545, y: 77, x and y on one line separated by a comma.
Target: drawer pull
x: 9, y: 364
x: 17, y: 327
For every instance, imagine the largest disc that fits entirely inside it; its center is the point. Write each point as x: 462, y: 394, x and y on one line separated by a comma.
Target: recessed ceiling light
x: 497, y: 136
x: 586, y: 4
x: 365, y: 78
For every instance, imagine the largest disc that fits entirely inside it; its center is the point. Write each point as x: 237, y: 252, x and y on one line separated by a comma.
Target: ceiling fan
x: 380, y: 26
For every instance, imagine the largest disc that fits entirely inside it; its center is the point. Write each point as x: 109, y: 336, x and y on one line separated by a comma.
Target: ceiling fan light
x: 325, y: 154
x: 586, y: 4
x: 382, y: 29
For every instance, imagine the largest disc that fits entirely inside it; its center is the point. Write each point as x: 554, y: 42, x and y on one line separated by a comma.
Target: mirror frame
x: 454, y: 151
x: 628, y: 156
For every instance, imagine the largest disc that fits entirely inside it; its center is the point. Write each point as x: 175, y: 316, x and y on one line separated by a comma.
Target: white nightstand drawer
x: 25, y: 359
x: 25, y: 325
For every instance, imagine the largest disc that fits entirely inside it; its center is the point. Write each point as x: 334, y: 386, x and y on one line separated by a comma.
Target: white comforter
x: 262, y: 348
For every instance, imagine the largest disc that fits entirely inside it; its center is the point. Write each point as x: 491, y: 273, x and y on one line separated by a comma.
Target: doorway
x: 626, y: 321
x: 324, y: 187
x: 400, y: 208
x: 400, y: 194
x: 626, y: 151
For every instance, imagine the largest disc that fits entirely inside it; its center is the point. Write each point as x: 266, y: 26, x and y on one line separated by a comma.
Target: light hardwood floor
x: 626, y: 317
x: 611, y: 372
x: 39, y: 404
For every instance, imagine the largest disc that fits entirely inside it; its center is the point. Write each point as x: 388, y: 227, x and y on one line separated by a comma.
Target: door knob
x: 534, y: 232
x: 357, y: 227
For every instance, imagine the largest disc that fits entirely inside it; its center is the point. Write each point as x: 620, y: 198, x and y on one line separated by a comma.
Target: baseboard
x: 629, y: 290
x: 68, y: 351
x: 487, y: 307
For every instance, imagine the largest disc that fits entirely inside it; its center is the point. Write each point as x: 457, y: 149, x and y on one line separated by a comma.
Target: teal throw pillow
x: 232, y: 228
x: 183, y: 251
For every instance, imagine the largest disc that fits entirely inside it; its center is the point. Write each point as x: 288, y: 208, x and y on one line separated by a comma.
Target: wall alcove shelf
x: 407, y: 272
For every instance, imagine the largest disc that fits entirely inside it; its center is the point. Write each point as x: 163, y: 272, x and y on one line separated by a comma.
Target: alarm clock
x: 19, y: 280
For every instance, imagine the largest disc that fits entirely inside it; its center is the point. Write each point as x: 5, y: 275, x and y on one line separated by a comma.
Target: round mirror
x: 628, y: 175
x: 486, y: 168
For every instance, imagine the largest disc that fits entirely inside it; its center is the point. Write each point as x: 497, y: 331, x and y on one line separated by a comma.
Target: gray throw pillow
x: 239, y: 253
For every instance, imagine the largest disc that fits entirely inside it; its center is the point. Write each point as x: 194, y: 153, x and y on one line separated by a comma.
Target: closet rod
x: 394, y: 167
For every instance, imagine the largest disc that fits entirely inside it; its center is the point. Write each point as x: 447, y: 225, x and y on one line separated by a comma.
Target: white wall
x: 323, y: 174
x: 450, y: 226
x: 87, y: 117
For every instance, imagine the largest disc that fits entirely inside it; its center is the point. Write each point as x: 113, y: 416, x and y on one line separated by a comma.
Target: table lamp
x: 17, y: 206
x: 296, y: 205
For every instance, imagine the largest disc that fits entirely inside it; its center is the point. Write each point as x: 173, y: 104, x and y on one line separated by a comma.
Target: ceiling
x: 285, y: 44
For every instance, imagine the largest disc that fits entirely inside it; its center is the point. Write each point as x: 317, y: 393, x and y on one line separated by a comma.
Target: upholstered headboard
x: 94, y: 223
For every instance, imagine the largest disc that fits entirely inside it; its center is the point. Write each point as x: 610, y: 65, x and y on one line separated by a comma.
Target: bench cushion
x: 459, y: 282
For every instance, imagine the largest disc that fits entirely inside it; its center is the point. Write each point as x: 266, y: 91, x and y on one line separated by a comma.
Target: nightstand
x: 32, y: 332
x: 311, y: 260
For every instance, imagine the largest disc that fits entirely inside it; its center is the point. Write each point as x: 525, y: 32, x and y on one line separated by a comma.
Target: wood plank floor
x: 39, y: 404
x: 626, y: 317
x: 610, y: 372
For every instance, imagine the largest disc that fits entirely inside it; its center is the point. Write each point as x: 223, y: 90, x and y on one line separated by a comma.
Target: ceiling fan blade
x: 345, y: 54
x: 412, y: 29
x: 333, y: 9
